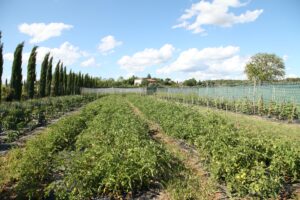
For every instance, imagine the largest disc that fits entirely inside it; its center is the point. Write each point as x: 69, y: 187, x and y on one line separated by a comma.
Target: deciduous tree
x: 265, y: 67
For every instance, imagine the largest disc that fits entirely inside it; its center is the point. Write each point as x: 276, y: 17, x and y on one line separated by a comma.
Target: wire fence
x: 268, y: 92
x: 275, y: 92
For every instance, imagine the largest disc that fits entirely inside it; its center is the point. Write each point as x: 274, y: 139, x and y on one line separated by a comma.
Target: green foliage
x: 43, y: 77
x: 34, y: 167
x: 276, y: 110
x: 49, y: 77
x: 16, y: 75
x: 113, y: 157
x: 190, y: 82
x: 31, y: 74
x: 1, y: 65
x: 105, y: 150
x: 61, y: 80
x: 20, y: 117
x: 265, y: 67
x: 55, y: 91
x: 249, y: 164
x: 65, y: 81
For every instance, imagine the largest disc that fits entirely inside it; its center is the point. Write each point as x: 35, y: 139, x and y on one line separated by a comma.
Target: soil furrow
x: 187, y: 154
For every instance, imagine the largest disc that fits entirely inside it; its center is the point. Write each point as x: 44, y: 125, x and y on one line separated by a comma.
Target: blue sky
x: 166, y: 38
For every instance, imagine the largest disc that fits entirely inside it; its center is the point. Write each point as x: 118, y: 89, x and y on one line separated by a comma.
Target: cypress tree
x: 1, y: 65
x: 72, y: 83
x: 56, y: 80
x: 31, y: 75
x: 69, y: 83
x: 16, y: 75
x: 49, y: 77
x: 65, y: 80
x: 76, y: 84
x: 42, y: 89
x: 61, y: 80
x: 79, y: 80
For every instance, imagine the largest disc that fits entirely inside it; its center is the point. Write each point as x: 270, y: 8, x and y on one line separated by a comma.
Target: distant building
x: 150, y: 80
x: 138, y: 81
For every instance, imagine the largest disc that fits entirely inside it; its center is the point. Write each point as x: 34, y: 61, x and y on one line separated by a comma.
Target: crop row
x: 248, y: 164
x: 19, y: 117
x: 32, y: 168
x: 114, y: 156
x: 105, y: 150
x: 278, y: 110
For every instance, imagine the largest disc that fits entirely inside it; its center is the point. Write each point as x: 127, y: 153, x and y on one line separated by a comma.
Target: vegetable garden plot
x: 16, y: 118
x: 255, y: 166
x: 114, y: 157
x: 105, y: 150
x: 26, y: 172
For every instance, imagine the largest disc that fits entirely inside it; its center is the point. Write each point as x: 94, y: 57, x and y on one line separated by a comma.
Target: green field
x: 125, y: 146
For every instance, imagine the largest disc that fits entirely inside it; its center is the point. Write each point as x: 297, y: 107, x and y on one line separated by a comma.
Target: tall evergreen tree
x: 79, y: 80
x: 49, y: 77
x: 31, y: 75
x: 43, y: 77
x: 69, y: 83
x: 76, y: 84
x: 1, y: 65
x: 72, y: 83
x: 16, y: 75
x: 61, y: 79
x: 56, y: 80
x: 65, y: 80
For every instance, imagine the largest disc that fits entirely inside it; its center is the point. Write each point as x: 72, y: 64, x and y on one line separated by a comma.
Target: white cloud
x: 148, y: 57
x: 215, y: 13
x: 209, y: 63
x: 108, y: 44
x: 66, y: 52
x: 91, y: 62
x: 41, y: 31
x: 285, y: 57
x: 8, y: 57
x: 292, y: 76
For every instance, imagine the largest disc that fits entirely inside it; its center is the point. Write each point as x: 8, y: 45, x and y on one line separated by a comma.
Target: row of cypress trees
x: 57, y: 84
x: 1, y: 65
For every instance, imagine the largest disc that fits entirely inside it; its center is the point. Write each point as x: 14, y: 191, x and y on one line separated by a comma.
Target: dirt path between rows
x: 187, y: 154
x: 20, y: 142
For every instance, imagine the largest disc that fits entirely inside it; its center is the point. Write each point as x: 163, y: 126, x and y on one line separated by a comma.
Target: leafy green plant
x: 249, y: 164
x: 21, y: 116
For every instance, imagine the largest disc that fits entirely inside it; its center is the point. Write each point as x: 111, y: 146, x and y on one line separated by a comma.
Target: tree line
x: 58, y: 83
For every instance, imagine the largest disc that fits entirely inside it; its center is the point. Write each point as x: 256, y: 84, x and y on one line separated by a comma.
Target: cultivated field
x: 144, y: 147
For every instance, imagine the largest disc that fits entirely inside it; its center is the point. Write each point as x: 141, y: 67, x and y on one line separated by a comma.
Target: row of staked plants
x: 277, y: 110
x: 250, y: 165
x: 16, y: 118
x: 104, y: 150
